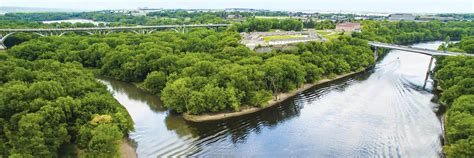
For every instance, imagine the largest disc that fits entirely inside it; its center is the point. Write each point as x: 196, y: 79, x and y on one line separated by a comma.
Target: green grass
x: 269, y: 38
x: 332, y: 34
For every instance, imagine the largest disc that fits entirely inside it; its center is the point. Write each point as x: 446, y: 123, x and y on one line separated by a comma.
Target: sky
x: 388, y: 6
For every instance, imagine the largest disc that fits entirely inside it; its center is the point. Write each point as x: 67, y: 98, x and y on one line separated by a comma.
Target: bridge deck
x: 417, y: 50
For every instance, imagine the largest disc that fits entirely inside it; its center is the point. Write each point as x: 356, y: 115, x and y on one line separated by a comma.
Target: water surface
x: 73, y: 21
x: 381, y: 113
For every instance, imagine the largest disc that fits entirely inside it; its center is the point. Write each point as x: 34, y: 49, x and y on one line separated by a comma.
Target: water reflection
x: 381, y: 113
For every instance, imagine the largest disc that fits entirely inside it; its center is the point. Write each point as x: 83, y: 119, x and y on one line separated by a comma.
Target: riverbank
x: 281, y: 97
x: 127, y: 150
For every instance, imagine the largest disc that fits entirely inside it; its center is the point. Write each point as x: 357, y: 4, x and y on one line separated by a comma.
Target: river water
x: 74, y: 21
x: 381, y: 113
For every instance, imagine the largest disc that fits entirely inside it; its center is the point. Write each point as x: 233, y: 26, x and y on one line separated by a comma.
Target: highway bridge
x: 416, y: 50
x: 429, y: 52
x: 4, y: 33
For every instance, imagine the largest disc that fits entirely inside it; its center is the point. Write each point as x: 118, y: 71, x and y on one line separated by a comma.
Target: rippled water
x: 381, y: 113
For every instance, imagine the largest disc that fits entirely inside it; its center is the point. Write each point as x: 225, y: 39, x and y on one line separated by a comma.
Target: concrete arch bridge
x: 5, y: 33
x: 410, y: 49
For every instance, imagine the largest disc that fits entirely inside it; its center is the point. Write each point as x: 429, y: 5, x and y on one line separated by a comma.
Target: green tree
x: 155, y: 82
x: 177, y: 94
x: 105, y: 140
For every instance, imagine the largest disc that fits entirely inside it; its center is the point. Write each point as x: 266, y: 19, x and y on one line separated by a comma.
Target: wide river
x: 381, y: 113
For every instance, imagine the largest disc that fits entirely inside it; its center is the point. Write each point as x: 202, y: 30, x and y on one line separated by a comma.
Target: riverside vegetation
x: 46, y: 105
x: 204, y: 70
x: 455, y: 76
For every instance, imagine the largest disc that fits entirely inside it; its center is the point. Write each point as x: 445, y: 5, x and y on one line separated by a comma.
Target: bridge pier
x: 376, y: 53
x: 2, y: 46
x: 428, y: 72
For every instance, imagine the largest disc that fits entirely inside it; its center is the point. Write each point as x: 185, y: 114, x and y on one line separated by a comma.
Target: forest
x: 455, y: 76
x: 178, y: 17
x: 289, y: 24
x: 466, y: 45
x: 30, y: 20
x: 204, y: 70
x: 405, y: 32
x: 264, y: 24
x: 46, y: 105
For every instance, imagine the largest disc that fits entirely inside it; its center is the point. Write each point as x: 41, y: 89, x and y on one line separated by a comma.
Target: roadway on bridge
x: 417, y: 50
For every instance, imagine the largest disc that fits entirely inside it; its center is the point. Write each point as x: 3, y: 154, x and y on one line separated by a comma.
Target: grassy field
x: 269, y: 38
x: 329, y: 34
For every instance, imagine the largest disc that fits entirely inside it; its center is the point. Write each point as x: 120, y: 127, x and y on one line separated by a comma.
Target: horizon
x: 390, y: 6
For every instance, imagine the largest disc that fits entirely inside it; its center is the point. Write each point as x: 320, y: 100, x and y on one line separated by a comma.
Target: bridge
x: 4, y: 33
x: 416, y: 50
x: 424, y: 51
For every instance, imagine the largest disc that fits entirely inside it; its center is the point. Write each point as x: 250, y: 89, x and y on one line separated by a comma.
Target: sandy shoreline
x: 127, y: 150
x: 281, y: 97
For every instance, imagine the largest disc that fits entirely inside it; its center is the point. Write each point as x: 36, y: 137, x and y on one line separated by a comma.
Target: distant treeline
x: 405, y: 32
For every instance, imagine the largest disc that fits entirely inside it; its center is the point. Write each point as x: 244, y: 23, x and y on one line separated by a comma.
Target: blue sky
x: 421, y: 6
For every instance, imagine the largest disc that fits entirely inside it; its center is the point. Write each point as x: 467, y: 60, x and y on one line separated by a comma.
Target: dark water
x: 382, y: 113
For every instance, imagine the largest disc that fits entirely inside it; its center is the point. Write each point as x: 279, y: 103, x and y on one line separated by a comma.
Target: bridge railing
x: 416, y: 49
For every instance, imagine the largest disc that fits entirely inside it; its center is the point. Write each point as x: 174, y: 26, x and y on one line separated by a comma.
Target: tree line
x: 454, y: 75
x: 34, y: 20
x: 264, y: 24
x: 322, y: 25
x: 466, y: 45
x: 46, y: 105
x: 405, y: 32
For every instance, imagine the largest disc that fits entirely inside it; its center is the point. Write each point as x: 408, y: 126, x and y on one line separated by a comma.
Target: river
x: 381, y: 113
x: 74, y: 21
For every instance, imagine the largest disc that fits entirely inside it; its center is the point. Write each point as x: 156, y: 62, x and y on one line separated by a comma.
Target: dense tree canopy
x: 404, y: 32
x: 455, y: 77
x: 263, y: 24
x: 322, y: 25
x: 45, y: 104
x: 204, y: 70
x: 22, y: 20
x: 465, y: 45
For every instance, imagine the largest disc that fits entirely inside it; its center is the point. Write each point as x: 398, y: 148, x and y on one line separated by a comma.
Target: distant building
x: 400, y: 16
x: 348, y: 26
x: 149, y: 10
x: 245, y: 10
x: 232, y: 16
